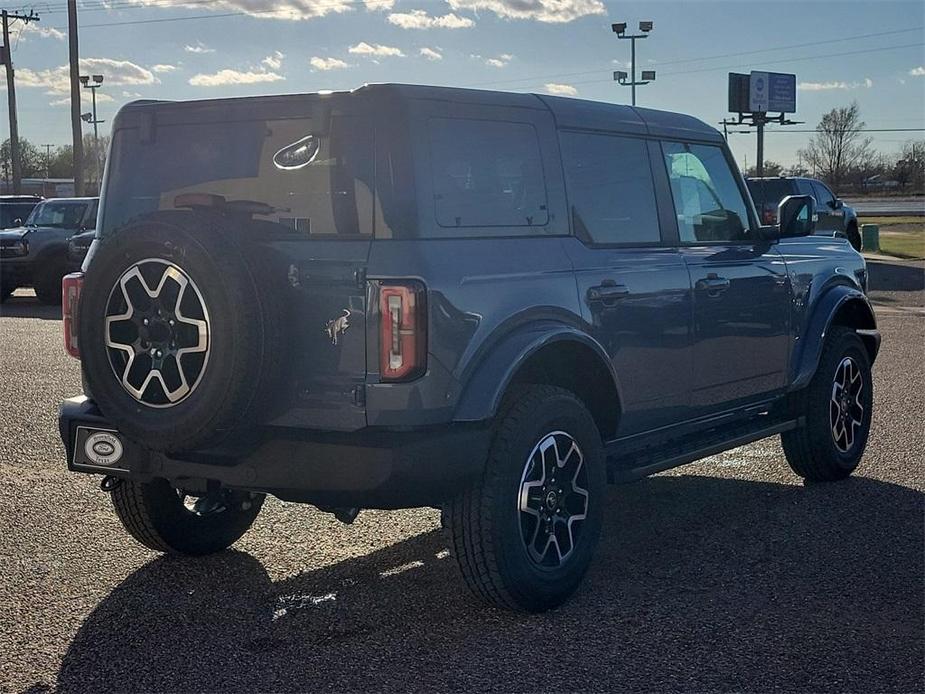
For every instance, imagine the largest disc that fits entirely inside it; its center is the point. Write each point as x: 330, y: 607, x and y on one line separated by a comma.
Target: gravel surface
x: 728, y: 574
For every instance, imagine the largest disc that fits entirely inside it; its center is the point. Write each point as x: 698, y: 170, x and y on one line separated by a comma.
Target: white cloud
x: 200, y: 47
x: 376, y: 49
x: 163, y: 67
x: 115, y: 72
x: 101, y: 98
x: 379, y: 5
x: 41, y: 32
x: 560, y: 89
x: 430, y: 53
x: 419, y: 19
x: 867, y: 83
x: 325, y: 64
x: 274, y: 61
x: 228, y: 76
x: 273, y: 9
x: 131, y: 95
x: 549, y: 11
x: 918, y: 71
x: 500, y: 61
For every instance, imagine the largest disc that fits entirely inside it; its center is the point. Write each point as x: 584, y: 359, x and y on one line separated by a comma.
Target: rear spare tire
x: 178, y: 336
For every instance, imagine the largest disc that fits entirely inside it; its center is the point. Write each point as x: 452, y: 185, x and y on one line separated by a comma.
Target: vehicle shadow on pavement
x: 28, y: 307
x: 700, y: 583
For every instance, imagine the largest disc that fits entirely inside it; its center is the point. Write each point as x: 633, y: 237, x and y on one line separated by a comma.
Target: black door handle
x: 607, y: 290
x: 713, y: 284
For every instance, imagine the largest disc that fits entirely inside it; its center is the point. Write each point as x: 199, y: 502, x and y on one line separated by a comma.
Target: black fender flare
x: 809, y: 348
x: 487, y: 382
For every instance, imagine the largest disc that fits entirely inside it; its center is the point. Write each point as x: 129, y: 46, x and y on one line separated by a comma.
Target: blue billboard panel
x: 782, y: 92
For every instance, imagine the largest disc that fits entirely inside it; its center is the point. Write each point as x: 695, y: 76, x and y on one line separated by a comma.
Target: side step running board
x: 642, y: 464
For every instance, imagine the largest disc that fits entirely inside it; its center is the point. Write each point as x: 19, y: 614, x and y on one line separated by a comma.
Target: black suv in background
x: 834, y: 216
x: 35, y: 254
x: 419, y: 296
x: 15, y: 208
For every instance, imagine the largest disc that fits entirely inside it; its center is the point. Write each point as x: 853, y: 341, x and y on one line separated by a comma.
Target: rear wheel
x: 6, y: 291
x: 524, y: 534
x: 166, y: 519
x: 837, y: 407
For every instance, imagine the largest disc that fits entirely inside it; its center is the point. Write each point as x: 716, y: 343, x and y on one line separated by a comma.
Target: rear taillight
x: 403, y: 331
x: 70, y: 296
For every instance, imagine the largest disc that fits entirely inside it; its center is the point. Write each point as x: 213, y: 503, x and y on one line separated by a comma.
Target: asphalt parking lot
x: 728, y: 574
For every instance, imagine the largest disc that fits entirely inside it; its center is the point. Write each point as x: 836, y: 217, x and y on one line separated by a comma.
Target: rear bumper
x: 371, y: 468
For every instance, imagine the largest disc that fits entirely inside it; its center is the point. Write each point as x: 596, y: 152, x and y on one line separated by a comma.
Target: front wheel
x: 166, y: 519
x: 48, y: 283
x: 525, y: 533
x: 837, y: 407
x: 854, y: 238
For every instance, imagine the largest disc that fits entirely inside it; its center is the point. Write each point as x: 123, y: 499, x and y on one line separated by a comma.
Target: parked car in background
x: 15, y: 208
x: 834, y: 216
x: 77, y: 249
x: 35, y: 254
x: 406, y: 296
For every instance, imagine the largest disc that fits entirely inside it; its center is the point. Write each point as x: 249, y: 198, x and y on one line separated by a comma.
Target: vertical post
x: 633, y: 66
x: 11, y: 101
x: 96, y: 132
x: 759, y: 118
x: 76, y: 130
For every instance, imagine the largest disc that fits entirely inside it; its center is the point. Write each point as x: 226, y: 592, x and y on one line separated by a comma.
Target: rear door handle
x: 713, y: 285
x: 607, y: 291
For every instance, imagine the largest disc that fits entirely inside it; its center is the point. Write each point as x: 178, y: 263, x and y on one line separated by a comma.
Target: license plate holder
x: 99, y: 448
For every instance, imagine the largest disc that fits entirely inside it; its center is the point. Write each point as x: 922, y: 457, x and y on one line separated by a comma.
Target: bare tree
x: 838, y: 145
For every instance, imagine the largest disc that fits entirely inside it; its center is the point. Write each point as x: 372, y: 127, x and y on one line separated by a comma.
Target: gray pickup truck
x: 485, y: 302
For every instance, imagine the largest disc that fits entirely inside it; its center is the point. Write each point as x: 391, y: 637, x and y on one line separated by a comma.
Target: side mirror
x: 17, y: 222
x: 837, y: 204
x: 796, y: 215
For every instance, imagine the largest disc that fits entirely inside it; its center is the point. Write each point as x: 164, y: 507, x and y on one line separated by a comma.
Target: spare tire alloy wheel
x: 553, y: 499
x: 157, y: 332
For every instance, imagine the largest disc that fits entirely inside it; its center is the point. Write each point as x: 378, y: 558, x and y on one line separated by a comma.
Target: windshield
x: 275, y: 176
x: 769, y: 192
x: 64, y: 215
x: 13, y: 211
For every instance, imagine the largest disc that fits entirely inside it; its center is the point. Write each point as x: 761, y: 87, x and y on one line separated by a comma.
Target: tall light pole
x: 6, y: 56
x: 647, y: 75
x: 97, y: 83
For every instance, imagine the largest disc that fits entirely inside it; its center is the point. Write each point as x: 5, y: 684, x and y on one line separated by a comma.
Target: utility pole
x: 47, y: 166
x: 620, y: 76
x: 7, y: 55
x: 76, y: 130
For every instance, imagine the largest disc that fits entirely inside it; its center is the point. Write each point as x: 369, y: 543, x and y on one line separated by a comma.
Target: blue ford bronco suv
x: 485, y: 302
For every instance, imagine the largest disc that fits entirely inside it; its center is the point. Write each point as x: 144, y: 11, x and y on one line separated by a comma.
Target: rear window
x: 768, y: 193
x: 487, y: 177
x: 279, y: 174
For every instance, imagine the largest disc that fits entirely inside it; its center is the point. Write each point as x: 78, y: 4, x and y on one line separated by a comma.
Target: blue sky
x: 872, y: 52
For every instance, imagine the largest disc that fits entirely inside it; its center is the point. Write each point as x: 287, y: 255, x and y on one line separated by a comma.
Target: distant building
x: 46, y: 187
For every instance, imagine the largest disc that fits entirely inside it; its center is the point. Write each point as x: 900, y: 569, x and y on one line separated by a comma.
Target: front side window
x: 610, y: 190
x: 708, y: 202
x: 823, y: 195
x: 487, y: 174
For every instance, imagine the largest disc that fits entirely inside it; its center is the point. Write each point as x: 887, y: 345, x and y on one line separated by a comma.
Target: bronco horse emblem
x: 338, y: 326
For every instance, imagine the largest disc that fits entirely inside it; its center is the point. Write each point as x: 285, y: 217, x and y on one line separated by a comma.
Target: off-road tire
x: 483, y: 521
x: 47, y: 283
x: 854, y: 237
x: 811, y: 449
x: 245, y: 302
x: 153, y: 513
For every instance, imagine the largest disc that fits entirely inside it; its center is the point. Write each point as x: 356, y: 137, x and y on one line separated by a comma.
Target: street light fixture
x: 97, y: 83
x: 619, y: 28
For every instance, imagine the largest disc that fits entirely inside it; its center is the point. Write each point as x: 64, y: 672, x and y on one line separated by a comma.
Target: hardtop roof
x: 568, y: 112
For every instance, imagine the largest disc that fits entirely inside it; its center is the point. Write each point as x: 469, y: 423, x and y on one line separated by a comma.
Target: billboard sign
x: 738, y: 93
x: 772, y: 91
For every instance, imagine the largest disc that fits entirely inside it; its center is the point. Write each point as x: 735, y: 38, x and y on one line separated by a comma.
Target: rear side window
x: 769, y: 192
x: 487, y: 174
x: 610, y: 190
